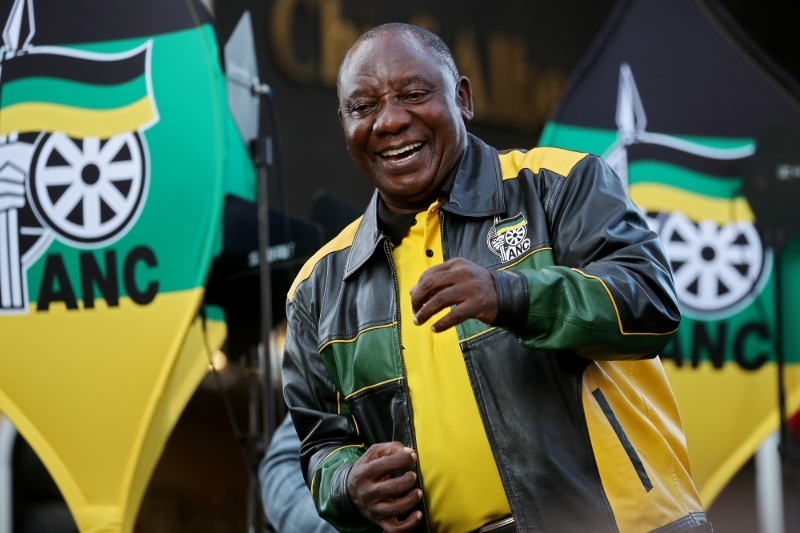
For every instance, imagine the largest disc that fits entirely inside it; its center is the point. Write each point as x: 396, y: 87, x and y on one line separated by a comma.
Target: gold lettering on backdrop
x: 282, y: 37
x: 514, y: 93
x: 336, y: 36
x: 507, y: 91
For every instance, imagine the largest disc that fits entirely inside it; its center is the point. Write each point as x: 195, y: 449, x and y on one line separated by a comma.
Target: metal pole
x: 790, y: 458
x: 779, y: 355
x: 8, y: 434
x: 266, y: 287
x: 261, y: 389
x: 769, y: 486
x: 254, y: 444
x: 263, y: 158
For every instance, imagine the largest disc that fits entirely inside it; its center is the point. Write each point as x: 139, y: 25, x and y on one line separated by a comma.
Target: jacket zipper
x: 388, y: 249
x: 463, y: 348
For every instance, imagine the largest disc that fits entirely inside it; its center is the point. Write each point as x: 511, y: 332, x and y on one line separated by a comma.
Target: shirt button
x: 429, y: 253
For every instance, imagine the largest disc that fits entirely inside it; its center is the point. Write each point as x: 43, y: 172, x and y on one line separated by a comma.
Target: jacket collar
x: 477, y: 192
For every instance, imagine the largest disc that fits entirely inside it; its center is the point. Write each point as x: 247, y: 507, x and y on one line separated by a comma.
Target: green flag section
x: 116, y: 144
x: 676, y: 114
x: 77, y: 92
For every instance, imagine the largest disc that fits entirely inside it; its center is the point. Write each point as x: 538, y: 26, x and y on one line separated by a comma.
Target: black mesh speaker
x: 771, y: 183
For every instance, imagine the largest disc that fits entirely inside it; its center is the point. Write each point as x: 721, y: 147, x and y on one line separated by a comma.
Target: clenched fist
x: 381, y: 498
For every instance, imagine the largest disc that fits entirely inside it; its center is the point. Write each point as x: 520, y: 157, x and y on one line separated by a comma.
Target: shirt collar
x: 477, y: 191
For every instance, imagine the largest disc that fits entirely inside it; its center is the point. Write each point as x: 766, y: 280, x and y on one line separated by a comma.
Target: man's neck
x: 395, y: 222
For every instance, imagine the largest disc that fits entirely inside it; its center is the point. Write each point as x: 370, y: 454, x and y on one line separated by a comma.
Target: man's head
x: 403, y: 108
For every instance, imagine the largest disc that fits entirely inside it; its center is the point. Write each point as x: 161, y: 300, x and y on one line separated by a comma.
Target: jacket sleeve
x: 287, y: 502
x: 330, y: 442
x: 611, y: 293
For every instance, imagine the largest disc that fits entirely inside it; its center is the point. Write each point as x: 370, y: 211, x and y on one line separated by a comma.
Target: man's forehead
x: 360, y: 84
x: 400, y: 59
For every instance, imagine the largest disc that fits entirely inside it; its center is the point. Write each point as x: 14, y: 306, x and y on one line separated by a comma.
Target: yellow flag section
x: 107, y: 413
x: 726, y: 414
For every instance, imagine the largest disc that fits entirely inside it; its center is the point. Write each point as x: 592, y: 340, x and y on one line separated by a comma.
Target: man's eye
x: 417, y: 95
x: 360, y: 109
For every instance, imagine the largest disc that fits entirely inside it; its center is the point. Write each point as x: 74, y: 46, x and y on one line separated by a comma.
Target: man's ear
x: 464, y: 98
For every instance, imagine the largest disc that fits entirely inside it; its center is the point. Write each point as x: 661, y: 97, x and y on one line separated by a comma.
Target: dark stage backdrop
x: 518, y: 55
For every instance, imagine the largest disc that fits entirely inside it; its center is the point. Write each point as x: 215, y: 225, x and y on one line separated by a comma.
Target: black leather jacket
x: 571, y: 394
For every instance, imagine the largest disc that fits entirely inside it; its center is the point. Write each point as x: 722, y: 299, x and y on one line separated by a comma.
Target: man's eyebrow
x: 359, y: 93
x: 405, y: 82
x: 402, y: 83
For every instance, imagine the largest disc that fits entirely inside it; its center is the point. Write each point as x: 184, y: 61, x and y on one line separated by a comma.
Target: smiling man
x: 478, y: 351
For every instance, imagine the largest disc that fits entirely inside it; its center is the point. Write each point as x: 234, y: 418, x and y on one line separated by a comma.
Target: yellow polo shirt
x: 461, y: 484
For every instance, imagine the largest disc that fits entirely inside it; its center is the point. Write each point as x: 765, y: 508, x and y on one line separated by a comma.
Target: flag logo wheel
x: 714, y: 266
x: 88, y: 190
x: 515, y: 236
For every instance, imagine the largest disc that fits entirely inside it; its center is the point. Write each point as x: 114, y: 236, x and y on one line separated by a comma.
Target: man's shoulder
x: 556, y: 160
x: 341, y: 242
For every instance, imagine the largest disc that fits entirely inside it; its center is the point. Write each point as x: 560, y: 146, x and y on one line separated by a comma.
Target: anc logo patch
x: 508, y: 238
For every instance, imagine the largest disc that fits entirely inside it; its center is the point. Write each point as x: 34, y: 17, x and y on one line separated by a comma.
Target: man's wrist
x: 340, y: 495
x: 512, y: 299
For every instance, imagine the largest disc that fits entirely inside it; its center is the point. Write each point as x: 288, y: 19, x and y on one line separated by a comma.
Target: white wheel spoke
x: 738, y: 254
x: 64, y: 206
x: 64, y: 146
x: 91, y: 148
x: 687, y: 274
x: 728, y: 233
x: 730, y: 277
x: 91, y: 209
x: 707, y: 285
x: 112, y: 196
x: 111, y: 149
x: 684, y: 227
x: 121, y: 169
x: 58, y: 175
x: 709, y: 231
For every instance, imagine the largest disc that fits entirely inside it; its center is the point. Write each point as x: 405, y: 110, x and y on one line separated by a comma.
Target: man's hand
x: 381, y: 498
x: 458, y: 282
x: 12, y: 190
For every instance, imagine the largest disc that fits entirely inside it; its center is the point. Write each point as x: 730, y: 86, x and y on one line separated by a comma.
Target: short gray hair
x: 428, y: 38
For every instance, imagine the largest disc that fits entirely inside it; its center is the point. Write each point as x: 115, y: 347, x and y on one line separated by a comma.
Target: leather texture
x: 693, y: 522
x: 512, y: 299
x: 343, y: 369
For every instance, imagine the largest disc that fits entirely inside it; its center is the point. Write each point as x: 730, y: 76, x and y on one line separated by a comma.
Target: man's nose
x: 392, y: 118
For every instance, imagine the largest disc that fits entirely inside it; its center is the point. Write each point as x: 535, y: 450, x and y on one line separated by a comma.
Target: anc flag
x: 76, y: 92
x: 511, y: 224
x: 119, y: 147
x: 673, y: 95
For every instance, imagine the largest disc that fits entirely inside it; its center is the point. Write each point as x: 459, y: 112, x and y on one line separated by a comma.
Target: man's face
x: 403, y: 117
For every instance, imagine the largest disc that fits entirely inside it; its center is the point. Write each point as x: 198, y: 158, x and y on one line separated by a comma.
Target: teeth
x: 402, y: 150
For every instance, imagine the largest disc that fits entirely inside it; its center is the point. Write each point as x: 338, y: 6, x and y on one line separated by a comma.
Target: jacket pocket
x: 381, y: 412
x: 623, y: 439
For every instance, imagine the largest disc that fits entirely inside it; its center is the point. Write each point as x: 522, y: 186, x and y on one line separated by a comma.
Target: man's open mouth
x: 402, y: 153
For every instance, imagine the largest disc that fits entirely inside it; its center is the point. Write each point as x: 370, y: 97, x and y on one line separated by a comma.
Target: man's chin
x: 411, y: 196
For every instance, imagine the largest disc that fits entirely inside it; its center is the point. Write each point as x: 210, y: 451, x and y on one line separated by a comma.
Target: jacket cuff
x: 340, y: 497
x: 512, y: 299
